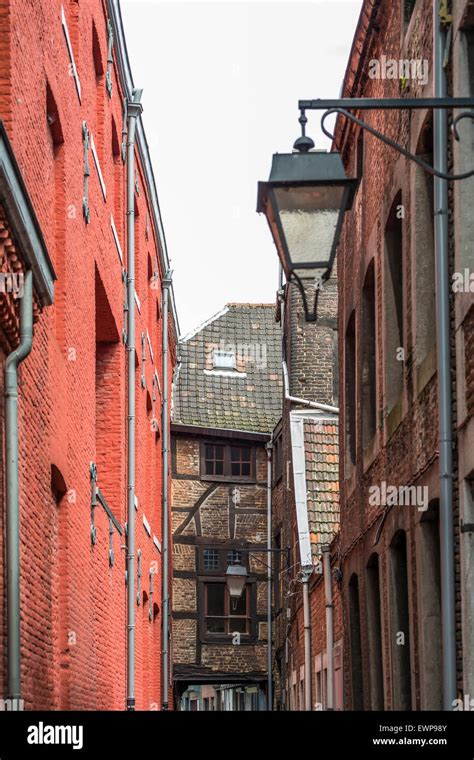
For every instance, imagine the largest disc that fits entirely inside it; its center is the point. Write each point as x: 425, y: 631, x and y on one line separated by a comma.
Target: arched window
x: 355, y: 643
x: 369, y: 380
x: 394, y: 304
x: 375, y: 633
x: 400, y: 623
x: 350, y: 391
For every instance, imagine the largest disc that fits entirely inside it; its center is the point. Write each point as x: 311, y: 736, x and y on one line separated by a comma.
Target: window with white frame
x: 223, y: 360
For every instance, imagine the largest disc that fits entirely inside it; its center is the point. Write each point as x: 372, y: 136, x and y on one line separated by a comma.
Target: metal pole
x: 165, y: 544
x: 133, y: 110
x: 329, y: 627
x: 269, y: 580
x: 448, y: 623
x: 307, y: 640
x: 12, y: 490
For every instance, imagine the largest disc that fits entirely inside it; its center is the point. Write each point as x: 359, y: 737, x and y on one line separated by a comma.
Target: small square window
x: 223, y: 359
x: 234, y: 557
x: 214, y: 459
x: 210, y: 559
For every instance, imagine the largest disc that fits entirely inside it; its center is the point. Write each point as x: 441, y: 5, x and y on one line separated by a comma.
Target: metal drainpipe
x: 12, y: 489
x: 307, y: 639
x: 440, y: 117
x: 134, y: 108
x: 165, y: 544
x: 269, y: 448
x: 329, y: 627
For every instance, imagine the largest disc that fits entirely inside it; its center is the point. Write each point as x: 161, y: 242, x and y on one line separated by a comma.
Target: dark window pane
x: 235, y: 468
x: 211, y: 559
x: 215, y: 599
x: 234, y: 557
x: 239, y: 606
x: 246, y: 468
x: 238, y: 625
x: 215, y: 625
x: 214, y: 459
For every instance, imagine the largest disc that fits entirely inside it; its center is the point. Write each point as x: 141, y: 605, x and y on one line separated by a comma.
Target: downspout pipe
x: 304, y: 401
x: 448, y: 621
x: 307, y: 638
x: 165, y: 411
x: 329, y: 626
x: 134, y: 109
x: 12, y: 489
x: 269, y: 448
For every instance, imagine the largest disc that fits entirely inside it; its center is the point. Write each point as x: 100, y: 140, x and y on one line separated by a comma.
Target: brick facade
x: 387, y: 356
x: 310, y: 350
x: 73, y: 390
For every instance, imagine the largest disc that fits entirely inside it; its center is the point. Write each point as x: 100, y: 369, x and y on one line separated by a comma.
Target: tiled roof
x: 322, y: 480
x: 249, y: 399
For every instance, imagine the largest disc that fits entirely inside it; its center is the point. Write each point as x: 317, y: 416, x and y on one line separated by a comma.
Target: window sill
x: 228, y: 479
x: 226, y: 639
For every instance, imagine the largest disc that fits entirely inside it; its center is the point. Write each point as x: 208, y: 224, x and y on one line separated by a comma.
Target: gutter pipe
x: 269, y: 448
x: 307, y: 638
x: 329, y: 627
x: 448, y: 620
x: 167, y: 282
x: 134, y: 109
x: 12, y: 490
x: 305, y: 402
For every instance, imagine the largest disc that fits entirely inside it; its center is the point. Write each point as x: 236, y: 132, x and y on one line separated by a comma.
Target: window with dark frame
x: 214, y: 459
x: 210, y: 559
x: 227, y: 461
x: 223, y: 615
x: 234, y: 557
x: 216, y: 559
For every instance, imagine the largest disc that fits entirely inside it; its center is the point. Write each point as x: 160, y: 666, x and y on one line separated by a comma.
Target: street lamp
x: 304, y: 201
x: 236, y: 578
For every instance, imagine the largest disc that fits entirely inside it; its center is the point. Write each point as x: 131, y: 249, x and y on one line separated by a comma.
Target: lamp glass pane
x: 309, y: 217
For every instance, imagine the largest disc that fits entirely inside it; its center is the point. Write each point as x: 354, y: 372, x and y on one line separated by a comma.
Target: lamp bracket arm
x: 310, y: 317
x: 399, y: 148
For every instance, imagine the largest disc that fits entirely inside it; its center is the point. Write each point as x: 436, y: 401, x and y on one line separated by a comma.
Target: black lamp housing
x: 305, y: 200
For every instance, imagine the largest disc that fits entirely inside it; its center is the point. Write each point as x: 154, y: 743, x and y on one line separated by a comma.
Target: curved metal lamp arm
x: 309, y: 316
x: 430, y: 169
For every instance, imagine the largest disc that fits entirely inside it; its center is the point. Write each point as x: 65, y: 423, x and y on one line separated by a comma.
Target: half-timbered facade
x: 226, y: 400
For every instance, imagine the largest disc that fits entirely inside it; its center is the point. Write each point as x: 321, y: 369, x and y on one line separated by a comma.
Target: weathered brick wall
x: 72, y: 412
x: 312, y: 357
x: 404, y: 449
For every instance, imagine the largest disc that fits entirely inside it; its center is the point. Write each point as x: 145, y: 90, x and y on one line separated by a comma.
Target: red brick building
x: 64, y: 85
x: 390, y: 548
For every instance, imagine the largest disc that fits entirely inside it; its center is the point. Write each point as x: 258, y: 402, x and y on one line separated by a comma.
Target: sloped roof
x: 322, y: 480
x: 249, y: 399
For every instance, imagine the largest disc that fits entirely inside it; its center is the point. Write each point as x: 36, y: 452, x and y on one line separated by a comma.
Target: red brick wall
x: 73, y: 603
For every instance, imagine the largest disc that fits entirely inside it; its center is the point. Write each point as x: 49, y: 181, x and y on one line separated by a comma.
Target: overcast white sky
x: 221, y: 84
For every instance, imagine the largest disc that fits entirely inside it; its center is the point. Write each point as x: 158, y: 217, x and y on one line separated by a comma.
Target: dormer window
x: 223, y: 360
